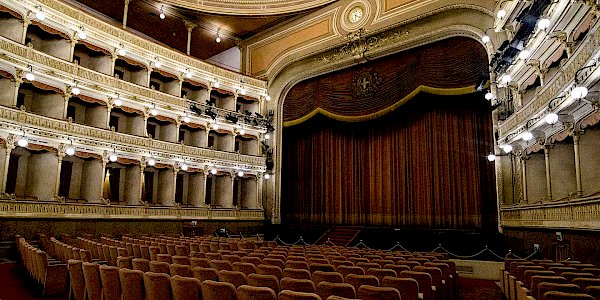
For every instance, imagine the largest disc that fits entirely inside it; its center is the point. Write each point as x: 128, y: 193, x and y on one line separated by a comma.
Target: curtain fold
x: 421, y: 166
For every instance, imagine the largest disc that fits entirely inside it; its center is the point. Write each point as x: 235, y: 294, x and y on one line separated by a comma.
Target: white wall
x: 229, y: 59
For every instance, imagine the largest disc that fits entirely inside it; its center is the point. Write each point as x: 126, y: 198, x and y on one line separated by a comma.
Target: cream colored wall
x: 12, y: 29
x: 248, y: 192
x: 510, y: 184
x: 91, y: 185
x: 196, y: 189
x: 49, y: 105
x: 41, y: 175
x: 590, y: 161
x: 166, y: 188
x: 96, y: 116
x: 562, y: 170
x: 7, y: 92
x: 536, y: 177
x: 224, y: 191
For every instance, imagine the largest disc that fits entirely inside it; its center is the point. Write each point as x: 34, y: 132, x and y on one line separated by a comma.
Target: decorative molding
x: 249, y: 7
x: 55, y: 210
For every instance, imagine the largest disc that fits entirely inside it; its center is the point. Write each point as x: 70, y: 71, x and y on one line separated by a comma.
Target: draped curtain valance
x: 449, y: 67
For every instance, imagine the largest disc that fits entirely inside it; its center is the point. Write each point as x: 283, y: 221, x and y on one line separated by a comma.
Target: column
x: 125, y: 10
x: 203, y: 195
x: 142, y: 181
x: 10, y: 145
x: 146, y: 116
x: 113, y: 58
x: 230, y: 203
x: 190, y: 27
x: 576, y: 135
x: 17, y: 82
x: 109, y: 107
x: 60, y: 154
x: 104, y: 162
x: 148, y: 77
x: 548, y: 179
x: 72, y: 50
x: 259, y: 190
x: 523, y: 157
x: 174, y: 192
x: 26, y: 23
x: 67, y: 96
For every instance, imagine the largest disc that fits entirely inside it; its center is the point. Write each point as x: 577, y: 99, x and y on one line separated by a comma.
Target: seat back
x: 554, y: 295
x: 268, y: 281
x: 408, y: 287
x: 203, y: 274
x: 333, y: 277
x: 358, y: 280
x: 291, y: 295
x: 296, y: 273
x: 157, y: 286
x: 236, y: 278
x: 220, y: 265
x: 181, y: 260
x: 585, y: 282
x: 270, y: 270
x: 77, y: 287
x: 91, y: 275
x: 181, y: 270
x: 159, y: 267
x: 213, y: 290
x: 297, y: 285
x: 326, y: 289
x: 248, y: 292
x: 185, y: 288
x: 346, y: 270
x: 537, y: 279
x: 132, y: 284
x: 381, y: 273
x: 246, y: 268
x: 367, y: 292
x: 425, y: 282
x: 545, y: 287
x: 141, y: 264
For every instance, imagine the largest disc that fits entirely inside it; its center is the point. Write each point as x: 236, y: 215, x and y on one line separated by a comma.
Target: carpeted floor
x: 15, y: 285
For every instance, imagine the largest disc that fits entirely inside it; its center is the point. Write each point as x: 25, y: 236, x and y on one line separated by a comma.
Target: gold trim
x: 391, y: 108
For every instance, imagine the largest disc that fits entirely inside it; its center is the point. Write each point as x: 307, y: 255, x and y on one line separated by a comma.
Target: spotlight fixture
x: 29, y: 74
x: 524, y: 54
x: 527, y: 136
x: 22, y: 141
x: 489, y: 96
x: 491, y: 157
x: 40, y: 15
x: 267, y: 176
x: 551, y: 118
x: 213, y: 171
x: 231, y: 118
x: 543, y: 24
x: 153, y: 111
x: 501, y: 14
x: 579, y: 92
x: 507, y: 148
x: 162, y: 13
x: 240, y: 174
x: 485, y: 39
x: 151, y: 162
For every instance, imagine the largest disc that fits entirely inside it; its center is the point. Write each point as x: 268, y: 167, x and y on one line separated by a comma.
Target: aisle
x: 477, y: 289
x: 15, y: 286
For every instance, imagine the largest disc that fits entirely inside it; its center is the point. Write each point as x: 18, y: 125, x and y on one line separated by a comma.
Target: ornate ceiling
x: 249, y: 7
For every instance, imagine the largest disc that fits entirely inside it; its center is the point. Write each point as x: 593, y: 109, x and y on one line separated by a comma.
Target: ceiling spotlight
x: 153, y: 111
x: 151, y: 162
x: 491, y: 157
x: 527, y: 136
x: 241, y: 174
x: 579, y: 92
x: 29, y: 74
x: 162, y: 14
x: 267, y: 136
x: 267, y: 176
x: 40, y: 15
x: 183, y: 166
x: 505, y: 79
x: 489, y: 96
x: 551, y: 118
x: 485, y: 39
x: 501, y: 14
x: 544, y: 24
x: 524, y: 54
x: 70, y: 151
x: 213, y: 171
x: 113, y: 157
x: 218, y: 39
x: 507, y: 148
x: 23, y: 142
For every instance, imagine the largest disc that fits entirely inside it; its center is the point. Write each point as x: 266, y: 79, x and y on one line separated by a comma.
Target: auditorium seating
x: 49, y: 273
x: 544, y: 279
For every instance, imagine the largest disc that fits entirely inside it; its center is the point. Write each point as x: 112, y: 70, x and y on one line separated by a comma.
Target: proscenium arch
x: 474, y: 26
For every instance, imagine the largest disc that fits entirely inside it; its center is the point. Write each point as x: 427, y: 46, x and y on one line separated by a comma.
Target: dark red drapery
x: 421, y: 166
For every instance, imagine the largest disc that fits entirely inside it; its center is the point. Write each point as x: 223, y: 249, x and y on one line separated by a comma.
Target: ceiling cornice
x: 249, y: 7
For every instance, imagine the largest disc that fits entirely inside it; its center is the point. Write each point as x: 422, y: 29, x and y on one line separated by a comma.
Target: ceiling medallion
x: 366, y: 84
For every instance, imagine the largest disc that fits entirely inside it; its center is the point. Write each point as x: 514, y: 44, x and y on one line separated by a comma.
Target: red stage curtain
x: 421, y: 166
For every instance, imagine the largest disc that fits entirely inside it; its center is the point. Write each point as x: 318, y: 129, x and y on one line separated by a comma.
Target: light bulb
x: 113, y: 157
x: 154, y: 112
x: 188, y: 74
x: 505, y: 79
x: 184, y: 167
x: 186, y: 119
x: 485, y: 39
x: 216, y: 84
x: 507, y: 148
x: 162, y: 15
x: 267, y: 176
x: 579, y: 92
x: 551, y: 118
x: 218, y: 39
x: 243, y: 91
x: 70, y: 151
x: 242, y: 132
x: 501, y: 14
x: 23, y: 142
x: 241, y: 174
x: 491, y: 157
x: 75, y: 90
x: 118, y: 102
x: 527, y: 136
x: 122, y: 51
x: 268, y: 98
x: 29, y: 76
x: 82, y: 35
x: 151, y: 162
x: 489, y: 96
x: 215, y: 126
x: 524, y: 54
x: 213, y: 171
x: 544, y: 24
x: 40, y: 15
x: 267, y: 136
x: 157, y: 63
